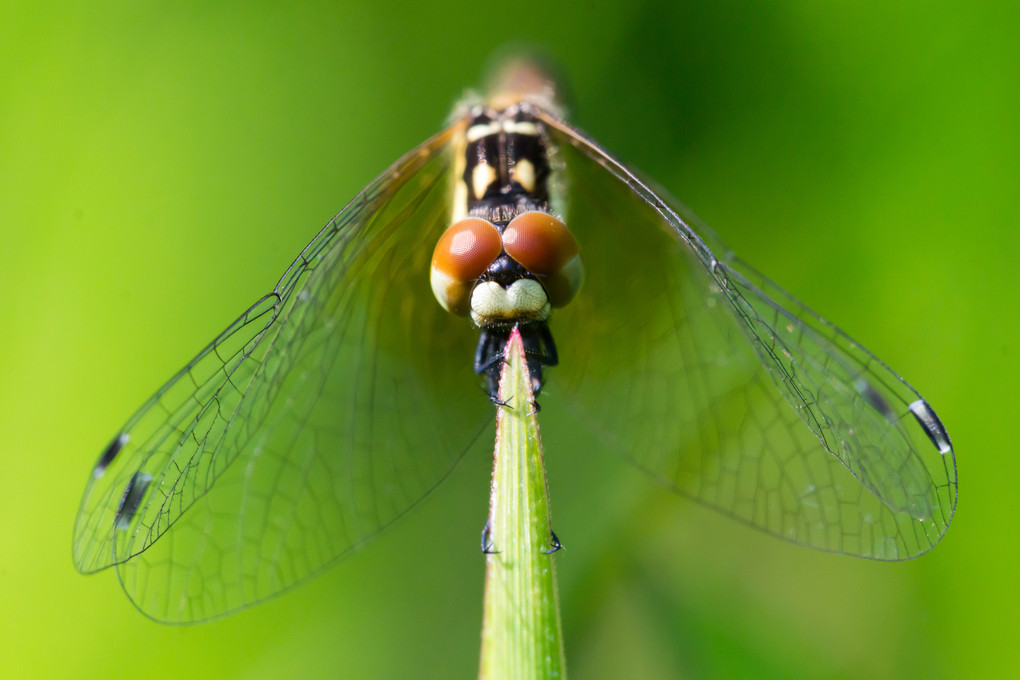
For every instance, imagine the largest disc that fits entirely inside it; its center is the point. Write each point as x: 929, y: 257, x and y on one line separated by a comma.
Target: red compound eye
x: 545, y: 247
x: 463, y: 253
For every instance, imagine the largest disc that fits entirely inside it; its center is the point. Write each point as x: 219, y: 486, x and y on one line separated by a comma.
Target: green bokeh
x: 161, y: 164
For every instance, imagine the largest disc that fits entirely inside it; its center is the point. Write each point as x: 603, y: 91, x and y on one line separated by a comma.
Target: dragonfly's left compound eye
x: 544, y: 246
x: 463, y: 254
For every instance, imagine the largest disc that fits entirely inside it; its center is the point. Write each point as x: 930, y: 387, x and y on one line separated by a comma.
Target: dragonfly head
x: 502, y: 274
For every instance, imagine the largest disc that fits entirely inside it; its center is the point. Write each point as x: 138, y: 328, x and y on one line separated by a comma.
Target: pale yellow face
x: 524, y: 300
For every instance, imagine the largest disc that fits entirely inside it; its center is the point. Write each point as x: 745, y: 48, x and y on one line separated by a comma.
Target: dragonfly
x: 339, y: 400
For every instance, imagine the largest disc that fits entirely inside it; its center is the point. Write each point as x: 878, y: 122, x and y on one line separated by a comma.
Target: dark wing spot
x: 132, y: 498
x: 110, y: 453
x: 874, y: 398
x: 931, y: 425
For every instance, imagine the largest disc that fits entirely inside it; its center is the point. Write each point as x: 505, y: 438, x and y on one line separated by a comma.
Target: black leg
x: 556, y: 545
x: 539, y: 351
x: 489, y: 359
x: 487, y: 547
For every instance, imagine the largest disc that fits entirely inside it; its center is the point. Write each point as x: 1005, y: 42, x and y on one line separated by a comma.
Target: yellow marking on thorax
x: 481, y: 177
x: 476, y: 132
x: 524, y: 174
x: 520, y: 127
x: 460, y: 190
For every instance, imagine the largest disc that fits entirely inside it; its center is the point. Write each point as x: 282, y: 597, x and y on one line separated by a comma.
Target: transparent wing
x: 323, y: 413
x: 728, y: 390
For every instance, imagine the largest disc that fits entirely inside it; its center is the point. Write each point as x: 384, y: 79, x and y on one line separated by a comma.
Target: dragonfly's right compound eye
x: 544, y: 246
x: 463, y: 254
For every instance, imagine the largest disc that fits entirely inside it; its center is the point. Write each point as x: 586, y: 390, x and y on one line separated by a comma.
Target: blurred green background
x: 162, y: 163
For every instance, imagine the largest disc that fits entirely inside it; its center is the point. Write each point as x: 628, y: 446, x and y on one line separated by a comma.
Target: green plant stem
x: 521, y: 633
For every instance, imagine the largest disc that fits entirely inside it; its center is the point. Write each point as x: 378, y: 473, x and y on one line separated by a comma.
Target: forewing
x: 721, y: 385
x: 322, y: 414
